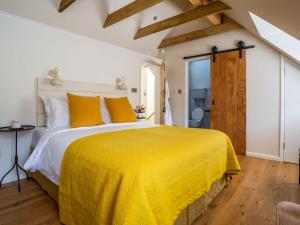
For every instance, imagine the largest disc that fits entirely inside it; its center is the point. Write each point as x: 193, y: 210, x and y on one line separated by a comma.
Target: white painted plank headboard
x: 44, y: 88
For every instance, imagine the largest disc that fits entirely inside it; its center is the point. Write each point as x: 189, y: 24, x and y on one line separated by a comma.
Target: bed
x: 52, y: 160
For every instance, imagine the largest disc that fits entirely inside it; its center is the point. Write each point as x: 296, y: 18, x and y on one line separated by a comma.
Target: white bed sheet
x: 49, y: 151
x: 37, y: 134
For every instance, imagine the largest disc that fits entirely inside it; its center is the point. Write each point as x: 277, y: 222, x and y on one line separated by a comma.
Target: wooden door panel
x: 241, y: 106
x: 228, y: 82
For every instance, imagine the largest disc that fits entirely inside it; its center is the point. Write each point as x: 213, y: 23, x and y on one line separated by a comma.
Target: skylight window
x: 277, y: 37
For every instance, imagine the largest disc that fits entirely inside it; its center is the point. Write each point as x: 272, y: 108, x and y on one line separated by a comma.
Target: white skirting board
x: 263, y: 156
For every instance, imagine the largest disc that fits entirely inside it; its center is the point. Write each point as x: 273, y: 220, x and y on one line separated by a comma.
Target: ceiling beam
x: 215, y: 19
x: 227, y: 25
x: 196, y: 2
x: 129, y: 10
x: 65, y: 4
x: 181, y: 18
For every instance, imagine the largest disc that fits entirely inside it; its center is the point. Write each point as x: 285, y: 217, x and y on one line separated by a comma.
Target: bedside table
x: 16, y: 164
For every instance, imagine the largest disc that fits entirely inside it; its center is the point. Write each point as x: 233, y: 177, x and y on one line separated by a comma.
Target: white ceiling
x: 86, y: 17
x: 284, y: 14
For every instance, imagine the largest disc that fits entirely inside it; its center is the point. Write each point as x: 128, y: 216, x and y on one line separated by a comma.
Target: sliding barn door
x: 228, y: 91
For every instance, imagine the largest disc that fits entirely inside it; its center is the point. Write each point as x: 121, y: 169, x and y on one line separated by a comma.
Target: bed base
x: 187, y: 217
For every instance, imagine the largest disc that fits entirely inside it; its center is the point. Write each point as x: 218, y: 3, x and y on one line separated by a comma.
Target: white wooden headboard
x: 44, y: 88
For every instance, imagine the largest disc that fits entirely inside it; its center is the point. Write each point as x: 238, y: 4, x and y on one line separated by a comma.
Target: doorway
x: 199, y: 99
x: 150, y: 91
x: 291, y: 112
x: 224, y: 100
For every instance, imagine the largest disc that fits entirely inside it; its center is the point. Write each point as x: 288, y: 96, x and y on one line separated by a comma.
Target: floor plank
x: 251, y: 198
x: 253, y: 195
x: 29, y: 207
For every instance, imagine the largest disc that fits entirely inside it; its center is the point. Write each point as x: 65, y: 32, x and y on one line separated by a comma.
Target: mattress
x: 49, y: 146
x: 37, y: 134
x: 52, y: 143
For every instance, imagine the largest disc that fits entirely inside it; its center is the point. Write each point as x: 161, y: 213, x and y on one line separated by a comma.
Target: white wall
x: 150, y: 106
x: 155, y: 70
x: 29, y: 49
x: 263, y: 87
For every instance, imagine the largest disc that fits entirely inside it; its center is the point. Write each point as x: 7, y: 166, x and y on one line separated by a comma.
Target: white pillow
x: 57, y: 112
x: 104, y: 111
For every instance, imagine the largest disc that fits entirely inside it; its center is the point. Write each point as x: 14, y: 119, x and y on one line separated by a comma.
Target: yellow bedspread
x: 140, y: 176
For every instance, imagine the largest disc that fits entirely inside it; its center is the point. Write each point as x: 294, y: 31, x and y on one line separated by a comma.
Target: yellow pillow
x: 84, y: 111
x: 120, y: 110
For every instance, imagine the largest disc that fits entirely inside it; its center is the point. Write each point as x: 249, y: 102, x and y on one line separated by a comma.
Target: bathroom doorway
x: 199, y: 93
x: 150, y: 91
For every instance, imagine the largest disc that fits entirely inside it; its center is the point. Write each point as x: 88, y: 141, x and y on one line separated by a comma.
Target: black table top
x: 22, y: 128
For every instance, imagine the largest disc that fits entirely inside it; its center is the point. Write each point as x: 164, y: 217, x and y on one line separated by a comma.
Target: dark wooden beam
x: 196, y: 2
x: 129, y: 10
x: 65, y: 4
x: 182, y: 18
x: 227, y: 25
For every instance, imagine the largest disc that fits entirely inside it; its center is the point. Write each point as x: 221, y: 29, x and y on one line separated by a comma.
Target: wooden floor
x: 250, y: 199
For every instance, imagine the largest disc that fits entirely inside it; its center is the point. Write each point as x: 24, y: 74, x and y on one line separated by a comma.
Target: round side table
x: 16, y: 164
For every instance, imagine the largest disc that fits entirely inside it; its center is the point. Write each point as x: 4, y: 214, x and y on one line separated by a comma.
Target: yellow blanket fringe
x: 141, y: 176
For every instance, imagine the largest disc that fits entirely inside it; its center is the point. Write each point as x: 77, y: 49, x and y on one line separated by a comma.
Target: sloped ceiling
x: 281, y: 13
x: 86, y: 17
